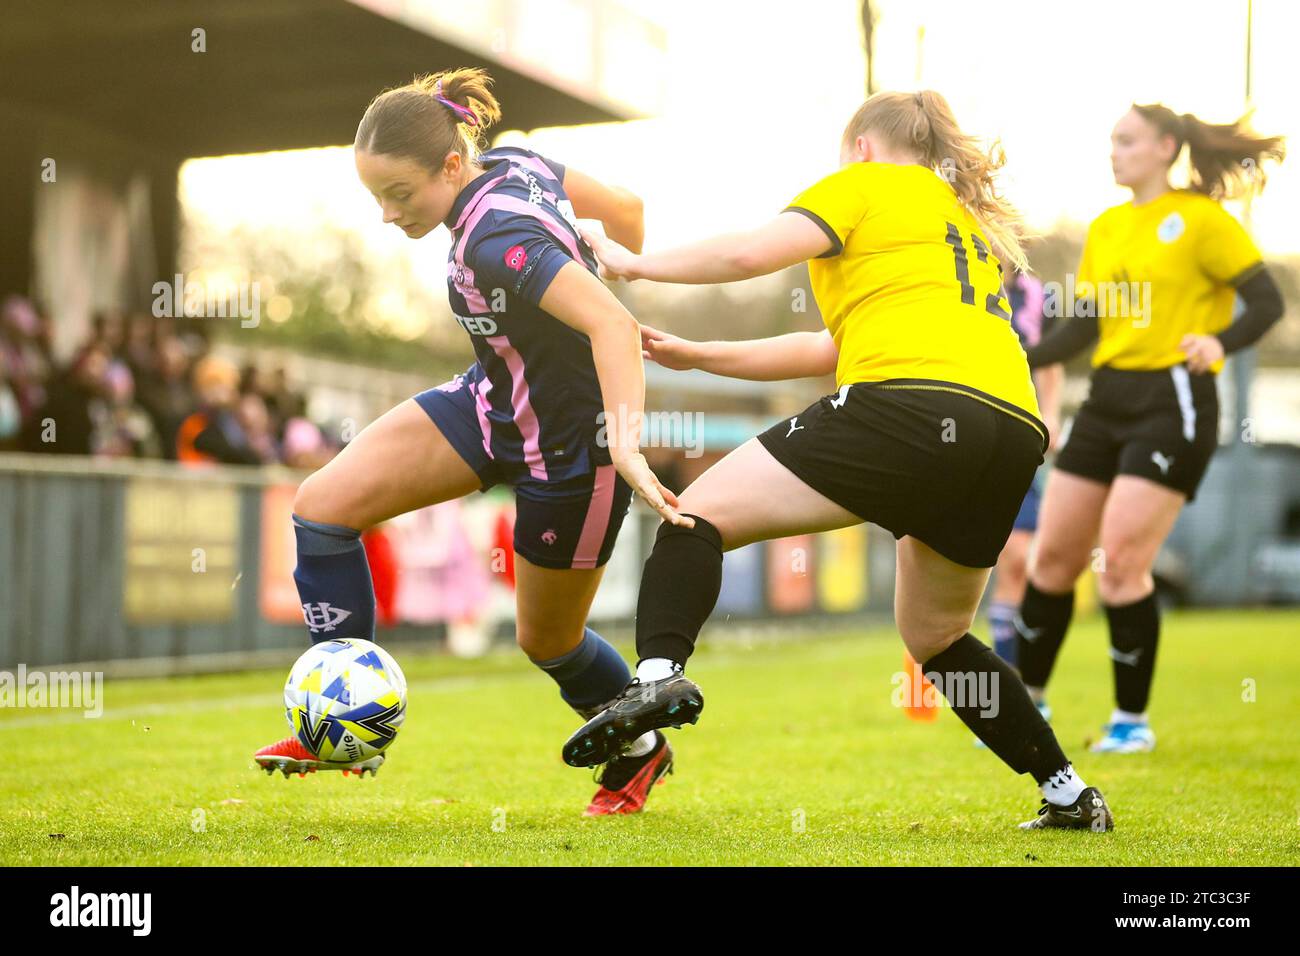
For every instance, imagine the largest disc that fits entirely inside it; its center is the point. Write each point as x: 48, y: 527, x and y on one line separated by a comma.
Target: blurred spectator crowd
x: 146, y: 387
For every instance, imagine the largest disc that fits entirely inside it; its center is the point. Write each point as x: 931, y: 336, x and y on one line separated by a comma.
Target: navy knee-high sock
x: 590, y: 675
x: 1002, y: 623
x: 333, y: 577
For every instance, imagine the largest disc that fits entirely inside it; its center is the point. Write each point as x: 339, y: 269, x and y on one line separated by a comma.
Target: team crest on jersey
x: 1170, y: 228
x: 516, y: 257
x: 462, y: 279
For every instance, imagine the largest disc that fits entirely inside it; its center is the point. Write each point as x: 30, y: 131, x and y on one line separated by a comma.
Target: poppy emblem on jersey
x: 1170, y: 228
x: 516, y: 257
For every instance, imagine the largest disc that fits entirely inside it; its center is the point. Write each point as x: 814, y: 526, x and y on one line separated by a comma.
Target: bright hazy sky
x: 757, y: 96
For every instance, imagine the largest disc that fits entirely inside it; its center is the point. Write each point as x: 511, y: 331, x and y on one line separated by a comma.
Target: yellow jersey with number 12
x: 910, y: 289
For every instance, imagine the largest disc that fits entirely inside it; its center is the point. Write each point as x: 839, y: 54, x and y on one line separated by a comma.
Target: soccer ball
x: 345, y: 700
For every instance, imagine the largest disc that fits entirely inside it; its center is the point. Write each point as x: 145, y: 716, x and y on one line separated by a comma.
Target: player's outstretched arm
x: 619, y: 210
x: 581, y: 301
x: 785, y: 241
x: 780, y: 357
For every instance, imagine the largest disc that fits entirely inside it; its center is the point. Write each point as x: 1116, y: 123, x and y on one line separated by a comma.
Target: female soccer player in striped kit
x: 1143, y: 439
x: 934, y: 432
x: 556, y: 353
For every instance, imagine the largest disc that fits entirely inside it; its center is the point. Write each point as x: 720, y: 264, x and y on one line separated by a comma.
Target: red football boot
x: 290, y: 756
x: 625, y: 782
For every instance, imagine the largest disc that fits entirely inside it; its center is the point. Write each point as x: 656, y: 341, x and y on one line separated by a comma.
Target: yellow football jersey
x: 911, y: 291
x: 1160, y: 271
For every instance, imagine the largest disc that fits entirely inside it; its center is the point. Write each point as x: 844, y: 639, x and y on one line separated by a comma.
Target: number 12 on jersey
x: 992, y: 303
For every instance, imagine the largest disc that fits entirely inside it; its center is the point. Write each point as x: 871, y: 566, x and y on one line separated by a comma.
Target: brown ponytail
x: 922, y: 123
x: 1226, y: 159
x: 411, y: 122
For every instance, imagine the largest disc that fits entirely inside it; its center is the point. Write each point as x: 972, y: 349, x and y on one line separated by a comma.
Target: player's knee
x: 319, y: 499
x: 1123, y: 573
x: 543, y: 643
x: 310, y: 500
x: 925, y: 639
x: 1056, y: 568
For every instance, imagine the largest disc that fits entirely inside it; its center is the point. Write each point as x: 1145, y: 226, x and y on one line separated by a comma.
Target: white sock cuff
x: 656, y: 668
x: 642, y: 745
x: 1063, y: 787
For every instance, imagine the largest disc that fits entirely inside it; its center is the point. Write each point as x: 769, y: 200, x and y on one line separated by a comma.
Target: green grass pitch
x: 799, y: 758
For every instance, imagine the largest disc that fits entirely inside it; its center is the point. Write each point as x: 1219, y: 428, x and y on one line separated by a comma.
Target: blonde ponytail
x: 923, y: 124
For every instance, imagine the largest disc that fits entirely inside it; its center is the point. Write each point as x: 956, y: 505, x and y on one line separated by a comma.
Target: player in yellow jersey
x: 933, y: 433
x: 1156, y: 285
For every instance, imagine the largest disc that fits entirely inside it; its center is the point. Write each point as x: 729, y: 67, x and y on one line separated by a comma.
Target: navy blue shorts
x: 567, y: 523
x: 1027, y: 516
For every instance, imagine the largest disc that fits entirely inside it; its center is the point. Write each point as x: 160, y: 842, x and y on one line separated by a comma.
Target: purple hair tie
x: 464, y: 112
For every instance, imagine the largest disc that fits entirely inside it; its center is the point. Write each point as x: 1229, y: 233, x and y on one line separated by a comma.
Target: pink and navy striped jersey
x: 534, y: 384
x: 1026, y: 298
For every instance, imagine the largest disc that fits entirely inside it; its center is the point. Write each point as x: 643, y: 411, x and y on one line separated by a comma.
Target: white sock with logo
x: 1063, y: 787
x: 656, y: 668
x: 1118, y: 716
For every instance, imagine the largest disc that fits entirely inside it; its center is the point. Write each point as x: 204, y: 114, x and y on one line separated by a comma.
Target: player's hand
x: 636, y: 472
x: 1202, y: 351
x: 669, y: 350
x: 615, y: 261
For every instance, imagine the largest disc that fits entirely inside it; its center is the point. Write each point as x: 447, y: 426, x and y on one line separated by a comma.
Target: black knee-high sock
x: 1134, y: 634
x: 1040, y: 631
x: 988, y: 696
x: 679, y: 588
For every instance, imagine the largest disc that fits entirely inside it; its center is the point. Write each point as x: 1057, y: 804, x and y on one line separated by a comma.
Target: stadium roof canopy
x: 282, y: 74
x: 116, y: 88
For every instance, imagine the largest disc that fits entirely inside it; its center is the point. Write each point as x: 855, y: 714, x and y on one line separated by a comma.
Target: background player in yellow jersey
x: 933, y: 433
x: 1157, y: 282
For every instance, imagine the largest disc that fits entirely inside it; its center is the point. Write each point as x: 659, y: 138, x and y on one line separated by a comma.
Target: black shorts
x: 1161, y: 425
x: 937, y: 461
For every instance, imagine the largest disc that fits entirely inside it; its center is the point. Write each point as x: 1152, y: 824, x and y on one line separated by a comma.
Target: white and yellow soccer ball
x: 345, y: 700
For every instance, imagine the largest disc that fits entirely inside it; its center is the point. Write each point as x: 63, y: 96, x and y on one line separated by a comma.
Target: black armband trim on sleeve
x: 836, y: 246
x: 1246, y: 274
x: 1263, y: 301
